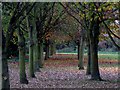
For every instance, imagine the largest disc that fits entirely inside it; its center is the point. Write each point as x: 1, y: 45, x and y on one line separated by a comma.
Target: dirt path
x: 62, y: 72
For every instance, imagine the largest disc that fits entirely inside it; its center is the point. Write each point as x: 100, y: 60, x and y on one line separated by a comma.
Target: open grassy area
x: 101, y: 55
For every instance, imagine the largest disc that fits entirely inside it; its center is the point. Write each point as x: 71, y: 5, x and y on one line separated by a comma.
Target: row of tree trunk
x: 36, y: 56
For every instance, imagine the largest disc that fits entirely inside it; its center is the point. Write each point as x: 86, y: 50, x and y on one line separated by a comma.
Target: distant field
x: 101, y: 55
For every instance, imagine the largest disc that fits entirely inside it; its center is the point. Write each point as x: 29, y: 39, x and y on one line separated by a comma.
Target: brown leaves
x: 61, y: 71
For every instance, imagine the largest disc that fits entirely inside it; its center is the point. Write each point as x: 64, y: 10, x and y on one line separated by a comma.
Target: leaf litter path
x: 61, y: 71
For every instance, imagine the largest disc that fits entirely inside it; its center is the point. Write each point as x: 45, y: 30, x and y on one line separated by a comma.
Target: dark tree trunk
x: 94, y: 39
x: 41, y: 54
x: 0, y: 64
x: 47, y: 50
x: 31, y: 47
x: 5, y: 73
x: 36, y: 51
x: 78, y: 51
x: 52, y: 48
x: 21, y: 46
x: 88, y: 72
x: 81, y: 52
x: 31, y: 62
x: 36, y: 57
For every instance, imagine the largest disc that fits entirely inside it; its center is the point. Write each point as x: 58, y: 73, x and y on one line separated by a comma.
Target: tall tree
x: 5, y: 42
x: 94, y: 39
x: 14, y: 11
x: 47, y: 51
x: 81, y: 50
x: 41, y: 54
x: 21, y: 46
x: 88, y: 72
x: 31, y: 44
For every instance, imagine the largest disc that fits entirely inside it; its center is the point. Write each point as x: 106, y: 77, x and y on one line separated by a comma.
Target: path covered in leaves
x: 61, y: 71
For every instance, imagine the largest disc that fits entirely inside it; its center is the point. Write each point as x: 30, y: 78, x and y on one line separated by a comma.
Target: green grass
x: 109, y: 56
x: 101, y: 55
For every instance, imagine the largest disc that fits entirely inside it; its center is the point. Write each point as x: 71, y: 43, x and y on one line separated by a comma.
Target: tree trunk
x: 95, y: 75
x: 31, y: 62
x: 47, y: 50
x: 4, y: 77
x: 31, y: 44
x: 41, y: 55
x: 5, y: 73
x: 36, y: 57
x: 81, y: 53
x: 94, y: 39
x: 88, y: 72
x: 51, y: 52
x: 0, y: 53
x: 36, y: 54
x: 35, y: 46
x: 52, y: 49
x: 78, y: 51
x: 21, y: 45
x: 0, y: 64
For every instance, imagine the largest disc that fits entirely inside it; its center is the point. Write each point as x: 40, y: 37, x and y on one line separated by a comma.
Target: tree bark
x: 52, y: 49
x: 78, y: 51
x: 0, y: 54
x: 5, y: 73
x: 81, y: 50
x: 0, y: 65
x: 47, y: 50
x: 31, y: 62
x: 21, y: 46
x: 31, y: 44
x: 35, y: 41
x: 36, y: 57
x: 81, y: 53
x: 41, y: 55
x: 88, y: 72
x: 94, y: 39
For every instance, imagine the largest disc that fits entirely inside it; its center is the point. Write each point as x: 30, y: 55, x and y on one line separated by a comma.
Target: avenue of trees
x: 37, y: 27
